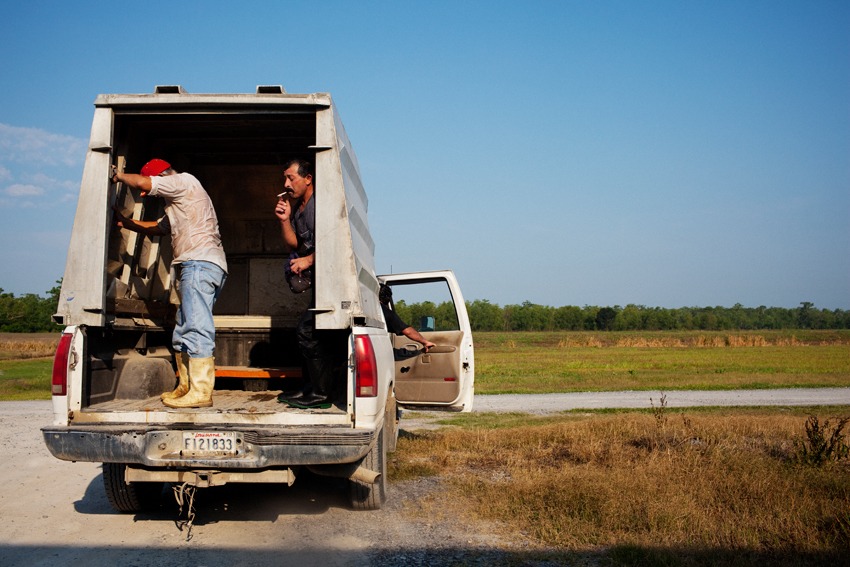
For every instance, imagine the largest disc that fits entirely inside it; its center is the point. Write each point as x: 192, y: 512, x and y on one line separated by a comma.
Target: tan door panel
x: 433, y: 376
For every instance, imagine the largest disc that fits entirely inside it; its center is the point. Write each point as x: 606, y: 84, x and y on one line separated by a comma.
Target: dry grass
x: 661, y: 339
x: 644, y: 483
x: 17, y: 346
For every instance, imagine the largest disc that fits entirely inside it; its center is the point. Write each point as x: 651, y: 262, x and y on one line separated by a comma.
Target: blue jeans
x: 199, y: 286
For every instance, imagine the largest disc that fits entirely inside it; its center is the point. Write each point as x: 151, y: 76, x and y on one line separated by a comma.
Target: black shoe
x: 310, y: 402
x: 321, y: 380
x: 296, y: 394
x: 285, y: 397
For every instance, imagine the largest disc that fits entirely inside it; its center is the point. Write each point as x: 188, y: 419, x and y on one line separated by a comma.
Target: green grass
x: 573, y: 362
x: 25, y: 379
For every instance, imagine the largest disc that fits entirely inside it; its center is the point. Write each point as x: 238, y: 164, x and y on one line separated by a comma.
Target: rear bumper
x: 258, y: 448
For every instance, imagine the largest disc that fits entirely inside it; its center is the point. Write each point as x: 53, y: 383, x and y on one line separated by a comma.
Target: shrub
x: 823, y: 443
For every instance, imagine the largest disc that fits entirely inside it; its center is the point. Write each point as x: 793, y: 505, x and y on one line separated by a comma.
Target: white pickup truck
x: 115, y: 356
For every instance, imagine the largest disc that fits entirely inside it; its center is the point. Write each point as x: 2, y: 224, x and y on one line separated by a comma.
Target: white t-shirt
x: 192, y: 218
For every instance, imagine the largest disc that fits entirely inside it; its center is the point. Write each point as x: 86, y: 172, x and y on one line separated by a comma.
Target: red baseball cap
x: 154, y: 167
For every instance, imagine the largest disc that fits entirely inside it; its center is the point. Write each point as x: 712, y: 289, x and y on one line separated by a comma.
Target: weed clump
x: 824, y: 443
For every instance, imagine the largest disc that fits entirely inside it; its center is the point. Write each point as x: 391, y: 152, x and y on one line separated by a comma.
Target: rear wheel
x: 132, y: 497
x: 365, y: 496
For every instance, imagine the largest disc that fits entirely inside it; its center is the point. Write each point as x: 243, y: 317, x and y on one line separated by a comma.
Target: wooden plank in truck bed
x: 252, y: 372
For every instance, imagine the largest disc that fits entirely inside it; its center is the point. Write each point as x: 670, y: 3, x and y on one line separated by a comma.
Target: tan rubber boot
x: 201, y: 384
x: 183, y: 374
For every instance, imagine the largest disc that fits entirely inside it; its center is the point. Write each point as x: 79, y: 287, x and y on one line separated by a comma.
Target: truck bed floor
x: 229, y: 401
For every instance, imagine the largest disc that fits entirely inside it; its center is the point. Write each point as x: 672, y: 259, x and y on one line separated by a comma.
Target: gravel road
x: 548, y: 403
x: 56, y: 513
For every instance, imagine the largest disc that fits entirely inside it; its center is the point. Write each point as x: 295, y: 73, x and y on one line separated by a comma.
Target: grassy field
x: 26, y: 363
x: 528, y: 363
x: 572, y: 362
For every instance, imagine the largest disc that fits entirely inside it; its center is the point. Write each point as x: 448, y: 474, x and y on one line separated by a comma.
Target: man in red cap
x: 200, y: 266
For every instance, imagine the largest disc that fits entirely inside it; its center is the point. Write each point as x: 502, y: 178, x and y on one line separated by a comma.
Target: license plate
x: 210, y: 443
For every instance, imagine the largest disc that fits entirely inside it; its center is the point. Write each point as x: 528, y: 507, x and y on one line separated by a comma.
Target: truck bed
x: 224, y: 402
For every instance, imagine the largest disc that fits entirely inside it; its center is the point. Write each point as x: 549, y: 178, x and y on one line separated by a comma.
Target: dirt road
x: 56, y: 513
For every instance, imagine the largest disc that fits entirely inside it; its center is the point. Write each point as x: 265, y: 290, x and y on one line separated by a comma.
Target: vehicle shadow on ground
x: 389, y: 556
x: 311, y: 494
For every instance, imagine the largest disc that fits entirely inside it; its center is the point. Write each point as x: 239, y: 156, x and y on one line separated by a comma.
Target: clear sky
x: 659, y: 153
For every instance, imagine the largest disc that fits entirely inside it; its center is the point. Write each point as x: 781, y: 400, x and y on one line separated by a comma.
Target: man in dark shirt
x: 296, y: 213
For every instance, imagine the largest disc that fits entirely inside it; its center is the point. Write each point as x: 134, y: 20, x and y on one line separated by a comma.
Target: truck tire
x: 132, y: 497
x: 366, y: 496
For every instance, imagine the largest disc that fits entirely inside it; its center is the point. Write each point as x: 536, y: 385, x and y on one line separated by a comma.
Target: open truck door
x: 444, y: 377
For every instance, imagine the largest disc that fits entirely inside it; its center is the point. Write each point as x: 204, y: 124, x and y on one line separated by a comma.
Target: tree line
x: 28, y: 313
x: 486, y: 316
x: 31, y: 313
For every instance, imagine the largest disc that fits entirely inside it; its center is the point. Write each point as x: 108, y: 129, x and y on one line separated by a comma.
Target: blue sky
x: 565, y: 153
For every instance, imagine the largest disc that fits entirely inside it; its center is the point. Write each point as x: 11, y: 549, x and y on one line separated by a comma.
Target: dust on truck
x: 115, y: 357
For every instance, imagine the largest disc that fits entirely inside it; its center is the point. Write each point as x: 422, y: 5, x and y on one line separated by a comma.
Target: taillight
x: 60, y: 365
x: 366, y: 385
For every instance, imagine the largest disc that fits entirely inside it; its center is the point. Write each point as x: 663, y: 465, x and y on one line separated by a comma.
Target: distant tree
x: 445, y: 317
x: 569, y: 318
x: 842, y: 318
x: 589, y: 312
x: 28, y: 313
x: 17, y: 313
x: 53, y: 292
x: 402, y: 310
x: 7, y: 301
x: 414, y: 313
x: 605, y: 318
x: 804, y: 315
x: 628, y: 319
x: 484, y: 316
x: 531, y: 317
x: 683, y: 319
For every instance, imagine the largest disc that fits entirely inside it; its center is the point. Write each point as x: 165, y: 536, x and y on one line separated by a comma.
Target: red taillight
x: 366, y: 385
x: 60, y: 365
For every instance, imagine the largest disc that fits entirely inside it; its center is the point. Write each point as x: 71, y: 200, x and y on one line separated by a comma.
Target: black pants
x: 310, y: 341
